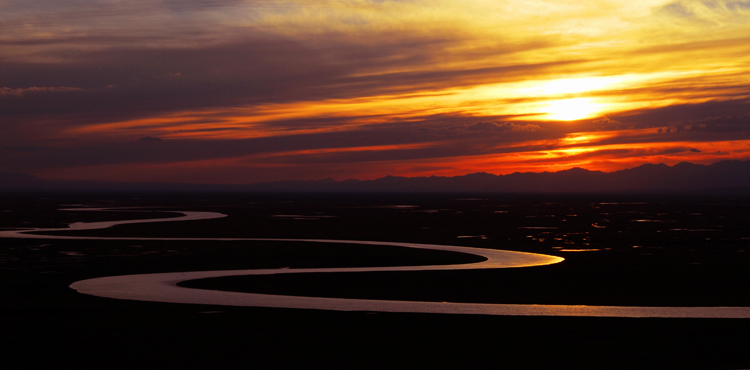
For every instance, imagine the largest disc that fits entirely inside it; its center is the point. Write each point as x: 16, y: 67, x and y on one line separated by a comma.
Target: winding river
x: 162, y: 287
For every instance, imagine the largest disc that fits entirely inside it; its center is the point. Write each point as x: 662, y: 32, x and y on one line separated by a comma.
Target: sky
x: 243, y: 91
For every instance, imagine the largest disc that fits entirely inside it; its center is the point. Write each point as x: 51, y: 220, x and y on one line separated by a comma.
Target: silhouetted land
x: 619, y: 250
x: 725, y: 177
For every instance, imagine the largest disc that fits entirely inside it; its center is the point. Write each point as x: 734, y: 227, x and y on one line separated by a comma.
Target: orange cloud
x: 243, y: 91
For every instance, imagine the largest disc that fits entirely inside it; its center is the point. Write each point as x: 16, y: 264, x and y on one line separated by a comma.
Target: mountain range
x: 730, y: 176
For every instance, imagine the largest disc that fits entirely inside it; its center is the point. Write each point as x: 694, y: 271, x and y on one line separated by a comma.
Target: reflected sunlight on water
x: 162, y: 287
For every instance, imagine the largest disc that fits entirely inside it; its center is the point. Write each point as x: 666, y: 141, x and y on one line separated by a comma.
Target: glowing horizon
x: 240, y: 91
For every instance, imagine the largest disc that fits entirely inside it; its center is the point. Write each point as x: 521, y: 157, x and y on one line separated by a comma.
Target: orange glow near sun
x: 244, y: 91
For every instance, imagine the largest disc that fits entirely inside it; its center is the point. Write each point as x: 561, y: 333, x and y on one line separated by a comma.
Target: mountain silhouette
x: 731, y: 176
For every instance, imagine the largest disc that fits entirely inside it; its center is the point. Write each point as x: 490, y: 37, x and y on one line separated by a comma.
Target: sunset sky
x: 241, y: 91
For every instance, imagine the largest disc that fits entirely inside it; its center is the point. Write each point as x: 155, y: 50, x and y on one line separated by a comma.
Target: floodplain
x: 619, y: 250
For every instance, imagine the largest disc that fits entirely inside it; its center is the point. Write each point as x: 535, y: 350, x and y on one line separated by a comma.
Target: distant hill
x: 722, y: 177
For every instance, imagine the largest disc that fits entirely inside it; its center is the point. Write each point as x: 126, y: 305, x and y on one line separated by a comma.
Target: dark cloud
x: 82, y: 40
x: 720, y: 124
x: 122, y: 74
x: 64, y: 12
x: 682, y: 114
x: 195, y: 5
x: 68, y: 65
x: 710, y: 11
x: 726, y: 124
x: 620, y: 154
x: 120, y: 79
x: 606, y: 121
x: 694, y: 150
x: 738, y: 5
x: 137, y: 150
x: 677, y: 9
x: 34, y: 90
x: 444, y: 136
x: 485, y: 126
x: 378, y: 142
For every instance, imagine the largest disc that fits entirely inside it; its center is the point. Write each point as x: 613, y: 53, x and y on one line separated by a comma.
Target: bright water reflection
x: 163, y: 287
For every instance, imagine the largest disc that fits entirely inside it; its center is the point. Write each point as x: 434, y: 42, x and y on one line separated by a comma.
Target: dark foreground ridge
x: 731, y: 176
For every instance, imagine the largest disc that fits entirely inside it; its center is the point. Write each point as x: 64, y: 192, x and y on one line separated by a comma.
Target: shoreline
x: 165, y: 287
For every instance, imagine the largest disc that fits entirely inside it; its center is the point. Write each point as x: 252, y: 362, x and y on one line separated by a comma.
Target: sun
x: 571, y: 109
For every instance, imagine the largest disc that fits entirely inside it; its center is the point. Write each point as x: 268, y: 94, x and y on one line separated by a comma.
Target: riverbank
x: 48, y: 325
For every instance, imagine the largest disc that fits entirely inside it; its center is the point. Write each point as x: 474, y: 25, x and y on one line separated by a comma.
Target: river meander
x: 163, y: 287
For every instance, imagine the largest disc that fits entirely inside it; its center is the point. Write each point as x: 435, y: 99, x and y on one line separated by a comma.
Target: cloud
x: 297, y: 82
x: 716, y: 111
x: 721, y: 124
x: 607, y: 121
x: 716, y: 12
x: 491, y: 126
x: 724, y: 124
x: 677, y: 10
x: 694, y: 150
x: 20, y: 92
